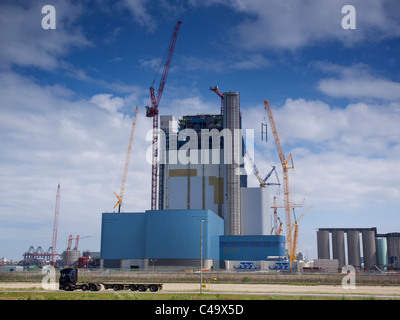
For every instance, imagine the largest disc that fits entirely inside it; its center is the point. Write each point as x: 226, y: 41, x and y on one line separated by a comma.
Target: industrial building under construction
x: 200, y: 200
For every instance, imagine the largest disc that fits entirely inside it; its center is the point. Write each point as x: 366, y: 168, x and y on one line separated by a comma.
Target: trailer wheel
x: 153, y: 288
x: 93, y: 287
x: 116, y: 287
x: 84, y: 287
x: 133, y: 287
x: 142, y: 288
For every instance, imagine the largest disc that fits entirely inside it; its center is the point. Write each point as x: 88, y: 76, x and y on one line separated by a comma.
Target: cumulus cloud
x: 357, y: 81
x: 342, y: 155
x: 294, y: 24
x: 49, y: 136
x: 140, y: 13
x: 25, y: 43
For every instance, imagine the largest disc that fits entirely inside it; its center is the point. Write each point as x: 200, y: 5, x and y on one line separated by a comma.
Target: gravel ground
x: 256, y: 288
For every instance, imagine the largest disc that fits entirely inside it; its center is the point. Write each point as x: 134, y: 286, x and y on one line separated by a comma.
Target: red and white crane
x: 152, y: 112
x: 55, y: 228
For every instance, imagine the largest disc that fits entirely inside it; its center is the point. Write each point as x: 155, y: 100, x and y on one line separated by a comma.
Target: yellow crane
x: 128, y: 156
x: 275, y: 206
x: 285, y: 168
x: 296, y: 235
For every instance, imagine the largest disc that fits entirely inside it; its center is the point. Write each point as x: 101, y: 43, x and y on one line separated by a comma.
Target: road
x: 385, y: 292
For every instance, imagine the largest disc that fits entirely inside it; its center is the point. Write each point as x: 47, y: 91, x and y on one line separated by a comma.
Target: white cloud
x: 293, y: 24
x: 140, y: 13
x: 108, y: 102
x: 48, y: 136
x: 345, y: 159
x: 357, y: 82
x: 25, y: 43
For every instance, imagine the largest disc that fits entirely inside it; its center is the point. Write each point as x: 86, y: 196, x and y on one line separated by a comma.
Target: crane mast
x: 285, y: 168
x: 55, y: 228
x: 152, y: 112
x: 127, y: 161
x: 296, y: 235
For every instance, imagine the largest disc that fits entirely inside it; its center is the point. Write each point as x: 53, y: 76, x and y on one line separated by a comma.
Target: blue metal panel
x: 251, y: 247
x: 122, y: 235
x: 175, y: 234
x: 164, y: 234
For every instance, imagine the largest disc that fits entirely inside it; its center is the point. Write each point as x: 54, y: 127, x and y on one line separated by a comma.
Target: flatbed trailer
x: 69, y: 282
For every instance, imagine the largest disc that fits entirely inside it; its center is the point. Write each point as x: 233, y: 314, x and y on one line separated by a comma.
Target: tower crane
x: 55, y: 228
x: 215, y: 89
x: 152, y: 112
x: 70, y: 238
x: 285, y: 168
x: 128, y: 157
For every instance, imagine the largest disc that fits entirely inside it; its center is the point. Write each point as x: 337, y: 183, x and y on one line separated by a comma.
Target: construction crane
x: 55, y: 228
x: 275, y: 206
x: 152, y: 112
x: 296, y: 234
x: 261, y: 180
x: 285, y: 168
x: 215, y: 89
x: 128, y: 157
x: 70, y: 238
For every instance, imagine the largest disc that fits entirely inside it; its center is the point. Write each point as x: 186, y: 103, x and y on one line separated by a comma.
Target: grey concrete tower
x: 338, y: 247
x: 323, y: 244
x: 369, y: 249
x: 353, y: 248
x: 232, y: 154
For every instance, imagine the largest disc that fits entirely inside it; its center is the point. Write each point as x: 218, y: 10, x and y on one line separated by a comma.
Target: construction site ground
x: 270, y: 289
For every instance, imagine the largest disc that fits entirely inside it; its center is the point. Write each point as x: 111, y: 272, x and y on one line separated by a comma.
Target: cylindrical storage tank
x: 369, y: 249
x: 353, y: 248
x: 232, y: 158
x: 393, y: 247
x: 70, y: 257
x: 382, y: 251
x: 338, y: 247
x: 323, y: 244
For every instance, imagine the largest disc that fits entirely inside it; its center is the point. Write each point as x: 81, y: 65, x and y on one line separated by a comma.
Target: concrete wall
x: 255, y: 211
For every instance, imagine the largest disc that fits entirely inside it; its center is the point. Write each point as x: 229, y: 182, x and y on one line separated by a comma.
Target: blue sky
x: 68, y: 96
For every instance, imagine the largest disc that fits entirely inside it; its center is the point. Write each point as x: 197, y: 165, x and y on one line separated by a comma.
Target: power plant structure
x: 202, y: 213
x: 378, y: 250
x: 205, y: 207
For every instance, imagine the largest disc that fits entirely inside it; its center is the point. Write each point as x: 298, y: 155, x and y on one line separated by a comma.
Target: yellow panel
x: 183, y: 172
x: 218, y: 184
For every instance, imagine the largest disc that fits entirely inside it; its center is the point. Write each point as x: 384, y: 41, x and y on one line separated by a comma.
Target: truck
x: 69, y: 282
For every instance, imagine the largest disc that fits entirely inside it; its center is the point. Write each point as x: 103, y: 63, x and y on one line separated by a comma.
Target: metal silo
x: 393, y: 247
x: 323, y: 244
x: 369, y: 249
x: 232, y: 156
x: 338, y: 247
x: 70, y: 257
x: 353, y: 248
x: 382, y: 251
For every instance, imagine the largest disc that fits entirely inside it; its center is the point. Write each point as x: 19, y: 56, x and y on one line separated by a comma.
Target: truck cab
x: 68, y: 279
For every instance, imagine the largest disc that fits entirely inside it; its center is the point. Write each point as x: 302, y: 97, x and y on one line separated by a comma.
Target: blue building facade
x: 162, y: 235
x: 255, y: 248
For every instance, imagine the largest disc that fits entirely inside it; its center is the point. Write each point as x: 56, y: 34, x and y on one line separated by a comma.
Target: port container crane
x: 152, y: 112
